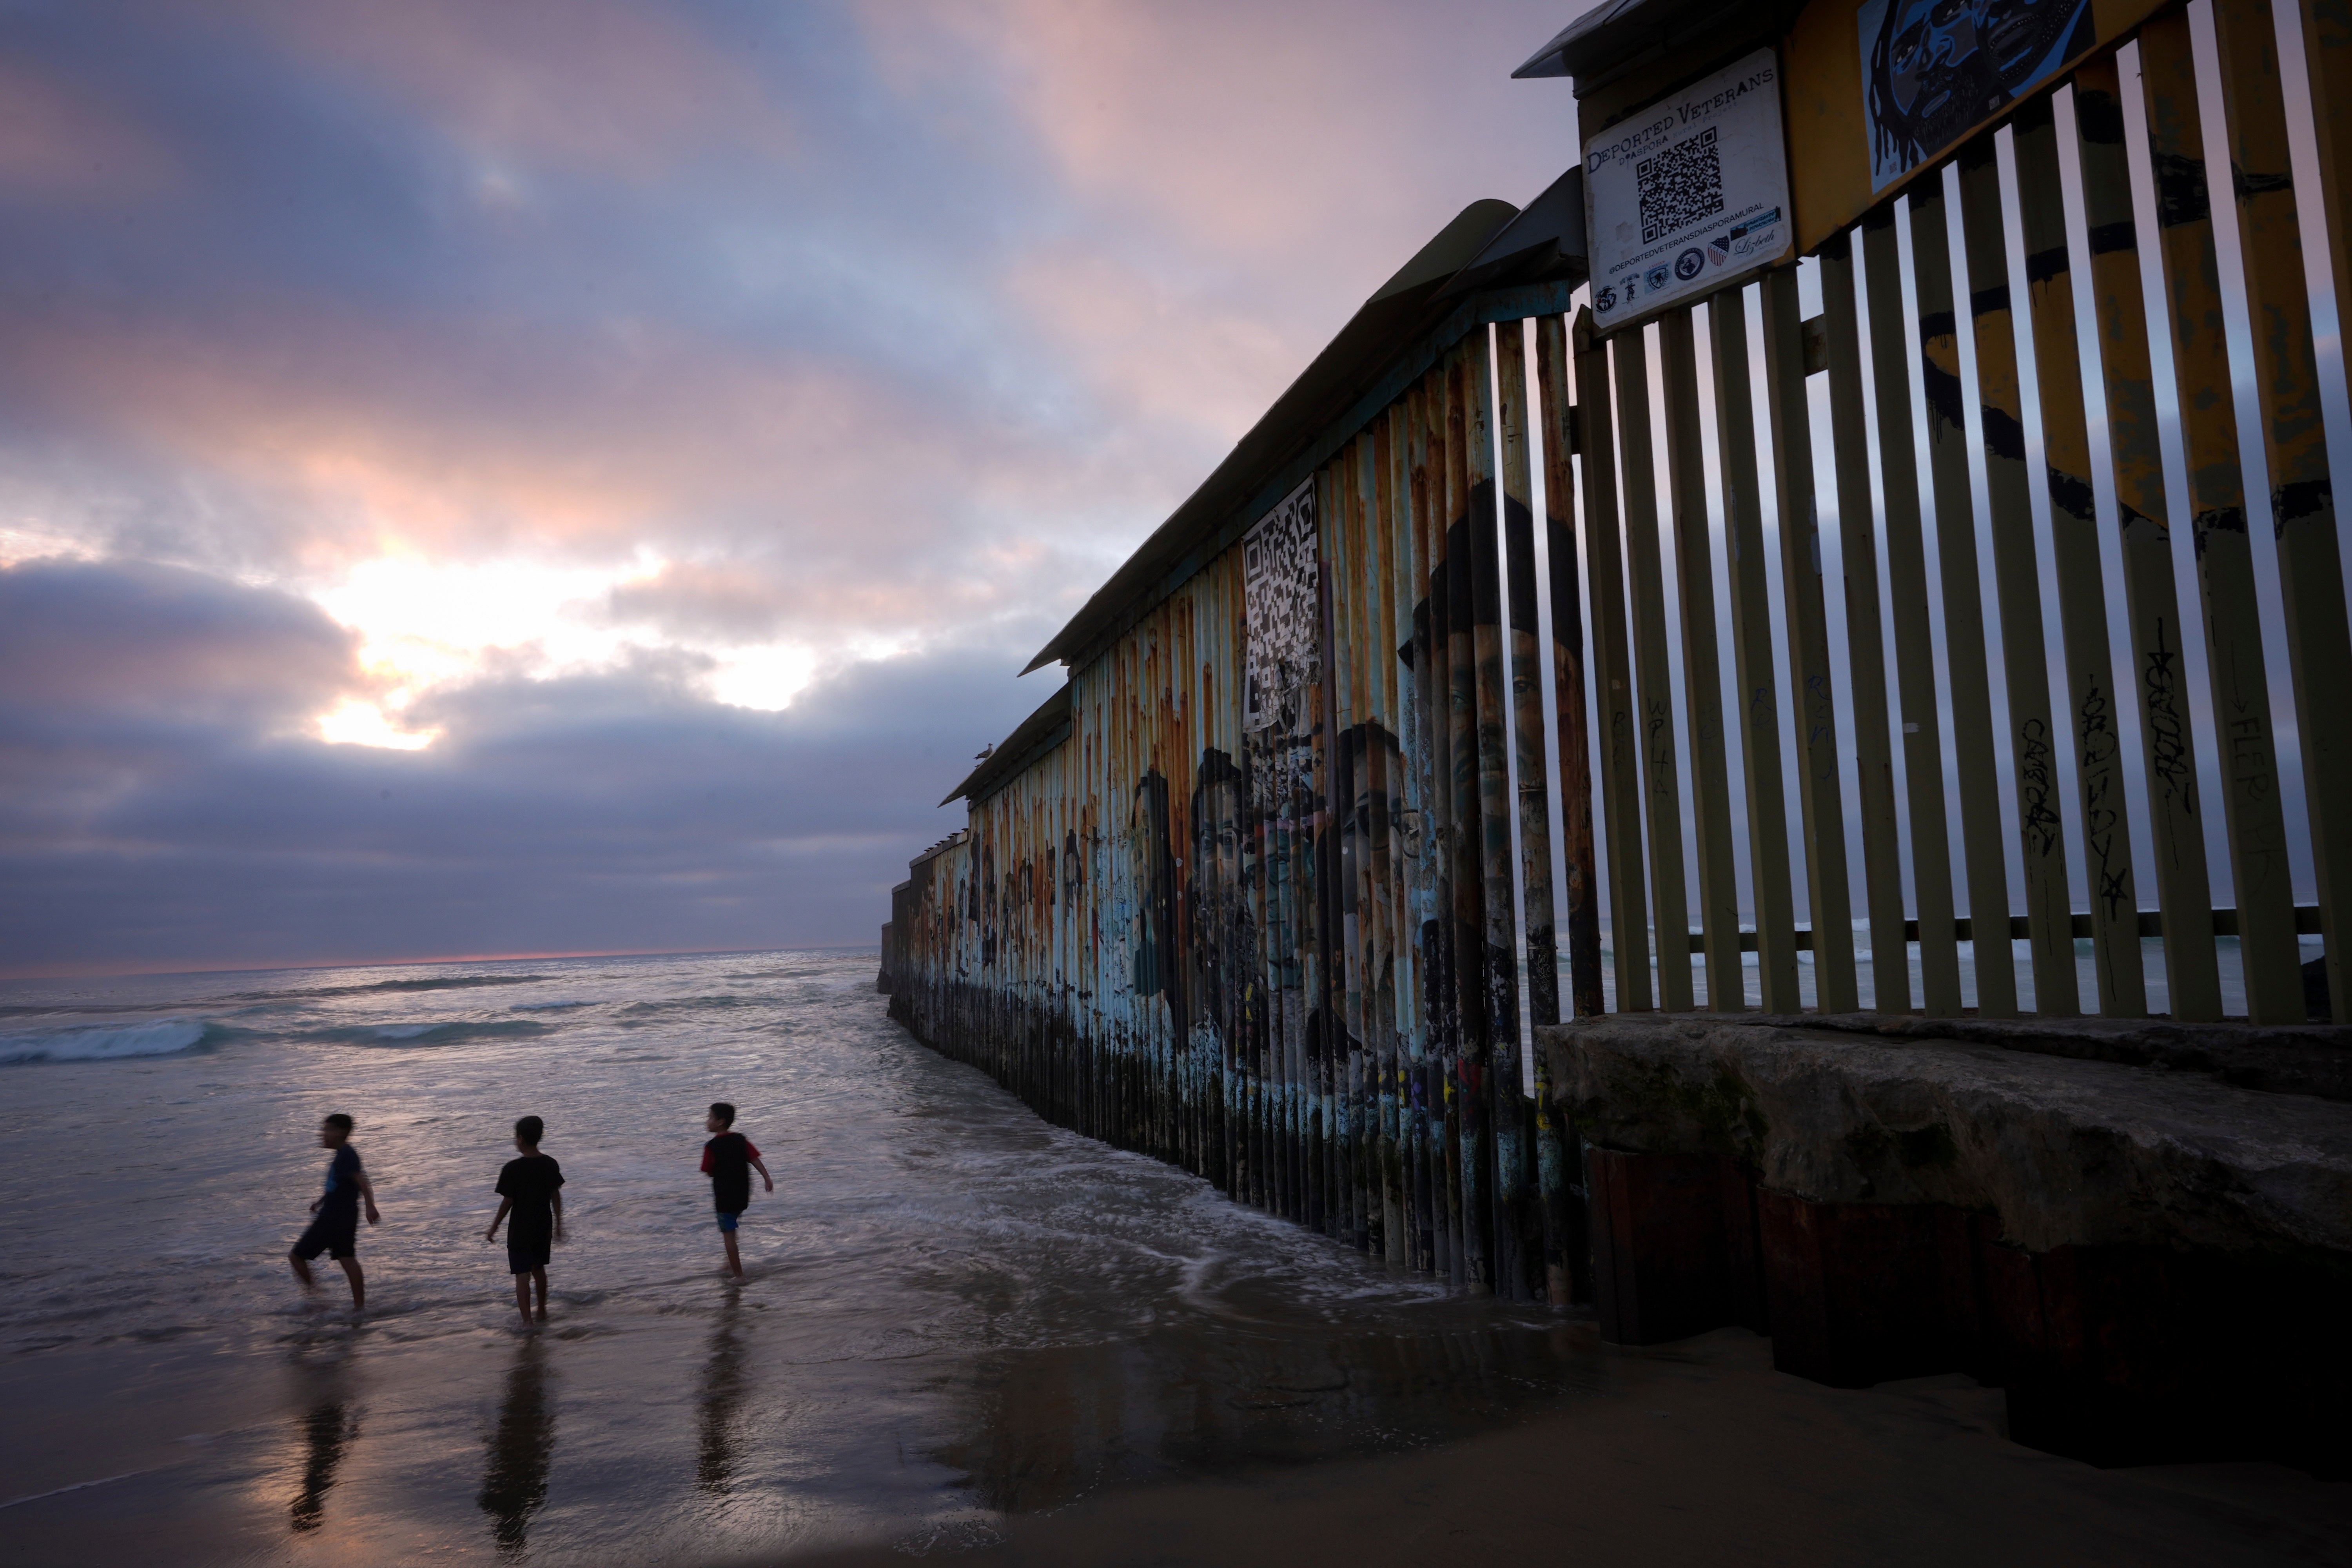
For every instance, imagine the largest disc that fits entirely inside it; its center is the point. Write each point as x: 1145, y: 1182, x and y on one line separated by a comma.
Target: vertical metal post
x: 2208, y: 428
x: 1434, y: 642
x: 2169, y: 742
x: 1882, y: 868
x: 1662, y: 790
x: 2093, y: 696
x: 1545, y: 1176
x: 2327, y: 61
x: 1906, y: 586
x: 1719, y: 890
x: 1506, y: 1129
x: 1556, y: 419
x: 2294, y: 439
x: 2008, y: 489
x: 1413, y: 625
x: 1524, y: 678
x: 1751, y: 649
x: 1956, y: 554
x: 1588, y: 430
x: 1820, y: 796
x: 1474, y: 1141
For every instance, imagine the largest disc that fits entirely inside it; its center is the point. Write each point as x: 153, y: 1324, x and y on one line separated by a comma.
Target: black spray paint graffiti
x: 1278, y: 601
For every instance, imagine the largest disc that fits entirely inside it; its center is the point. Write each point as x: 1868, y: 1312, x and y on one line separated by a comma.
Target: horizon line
x: 103, y: 970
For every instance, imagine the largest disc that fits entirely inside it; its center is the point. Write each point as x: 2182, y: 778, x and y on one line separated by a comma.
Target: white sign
x: 1689, y: 193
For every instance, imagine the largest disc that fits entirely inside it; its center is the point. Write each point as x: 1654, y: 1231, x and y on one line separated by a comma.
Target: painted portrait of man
x: 1152, y: 874
x: 1223, y: 938
x: 1935, y: 69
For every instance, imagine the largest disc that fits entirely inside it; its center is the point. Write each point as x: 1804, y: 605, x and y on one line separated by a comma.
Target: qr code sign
x: 1680, y: 185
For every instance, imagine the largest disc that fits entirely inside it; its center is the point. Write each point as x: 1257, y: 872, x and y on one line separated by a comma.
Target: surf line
x: 77, y: 1487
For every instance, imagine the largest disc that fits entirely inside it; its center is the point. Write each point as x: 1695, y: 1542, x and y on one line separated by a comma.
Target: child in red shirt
x: 729, y: 1160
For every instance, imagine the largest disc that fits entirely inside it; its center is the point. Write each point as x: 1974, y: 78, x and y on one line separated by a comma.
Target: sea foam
x: 99, y: 1042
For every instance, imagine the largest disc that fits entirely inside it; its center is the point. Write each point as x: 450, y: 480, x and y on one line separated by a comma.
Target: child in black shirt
x: 531, y: 1187
x: 728, y: 1161
x: 335, y: 1218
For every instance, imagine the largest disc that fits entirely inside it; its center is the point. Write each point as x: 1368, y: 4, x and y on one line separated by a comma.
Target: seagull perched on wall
x: 984, y: 753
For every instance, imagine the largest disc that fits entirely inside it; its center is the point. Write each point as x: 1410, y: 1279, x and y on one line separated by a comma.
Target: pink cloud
x: 597, y: 85
x: 61, y: 145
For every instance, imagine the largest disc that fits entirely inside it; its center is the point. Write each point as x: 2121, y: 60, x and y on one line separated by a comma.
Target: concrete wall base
x: 2113, y: 1354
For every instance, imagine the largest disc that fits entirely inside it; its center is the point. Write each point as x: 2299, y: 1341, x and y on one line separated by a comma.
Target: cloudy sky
x: 582, y: 476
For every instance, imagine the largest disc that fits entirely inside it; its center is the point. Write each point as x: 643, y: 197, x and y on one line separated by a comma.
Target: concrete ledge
x: 2313, y: 1059
x: 2155, y: 1265
x: 2064, y: 1152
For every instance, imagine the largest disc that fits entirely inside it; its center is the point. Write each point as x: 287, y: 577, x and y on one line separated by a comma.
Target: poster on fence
x: 1278, y: 610
x: 1688, y: 195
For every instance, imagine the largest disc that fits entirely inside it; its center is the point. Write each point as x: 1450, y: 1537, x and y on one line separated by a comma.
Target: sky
x: 536, y: 478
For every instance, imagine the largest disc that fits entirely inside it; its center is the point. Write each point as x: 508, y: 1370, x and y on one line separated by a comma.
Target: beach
x: 964, y: 1330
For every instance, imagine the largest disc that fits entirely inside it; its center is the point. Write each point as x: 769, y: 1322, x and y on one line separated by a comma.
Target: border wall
x: 1945, y: 624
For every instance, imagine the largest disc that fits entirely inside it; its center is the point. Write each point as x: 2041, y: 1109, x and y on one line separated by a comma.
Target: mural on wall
x: 1152, y: 864
x: 1933, y: 70
x: 1280, y: 607
x: 1222, y: 937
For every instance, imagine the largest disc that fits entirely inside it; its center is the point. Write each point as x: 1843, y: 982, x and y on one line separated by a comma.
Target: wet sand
x: 1697, y: 1453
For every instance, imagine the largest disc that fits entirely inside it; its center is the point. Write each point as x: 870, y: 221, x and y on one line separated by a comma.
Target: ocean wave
x: 434, y: 1034
x: 694, y: 1004
x: 549, y: 1007
x: 435, y: 982
x: 101, y: 1042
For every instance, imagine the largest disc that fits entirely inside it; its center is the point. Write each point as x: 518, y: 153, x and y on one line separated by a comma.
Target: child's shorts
x: 336, y: 1236
x: 727, y: 1218
x: 523, y: 1259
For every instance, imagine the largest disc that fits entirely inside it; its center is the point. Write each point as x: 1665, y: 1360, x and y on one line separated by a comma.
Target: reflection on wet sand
x: 718, y: 1454
x: 325, y: 1430
x: 514, y: 1479
x: 328, y: 1430
x: 1046, y: 1426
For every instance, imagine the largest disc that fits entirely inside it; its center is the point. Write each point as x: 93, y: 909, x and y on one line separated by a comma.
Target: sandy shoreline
x: 1697, y: 1453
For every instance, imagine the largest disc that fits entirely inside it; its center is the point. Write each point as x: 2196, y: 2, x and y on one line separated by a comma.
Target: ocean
x: 954, y: 1312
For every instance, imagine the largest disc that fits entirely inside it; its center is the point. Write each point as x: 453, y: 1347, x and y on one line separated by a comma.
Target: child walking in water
x: 530, y: 1186
x: 335, y: 1216
x: 729, y: 1160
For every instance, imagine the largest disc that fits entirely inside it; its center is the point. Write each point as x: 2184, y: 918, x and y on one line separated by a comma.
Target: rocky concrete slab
x: 2285, y: 1059
x: 2066, y: 1151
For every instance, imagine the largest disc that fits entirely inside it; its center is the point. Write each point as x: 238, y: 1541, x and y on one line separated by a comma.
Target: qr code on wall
x: 1680, y: 185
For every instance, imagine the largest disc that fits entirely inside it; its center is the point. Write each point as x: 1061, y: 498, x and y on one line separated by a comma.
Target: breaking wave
x: 101, y: 1042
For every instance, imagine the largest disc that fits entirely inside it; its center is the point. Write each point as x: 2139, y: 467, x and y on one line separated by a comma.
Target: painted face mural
x: 1223, y: 939
x: 1934, y: 69
x: 1152, y: 873
x: 1370, y: 866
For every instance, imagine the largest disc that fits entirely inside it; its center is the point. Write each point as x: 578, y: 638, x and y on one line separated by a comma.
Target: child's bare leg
x: 734, y: 1259
x: 522, y: 1297
x: 302, y: 1271
x: 538, y: 1282
x: 359, y: 1282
